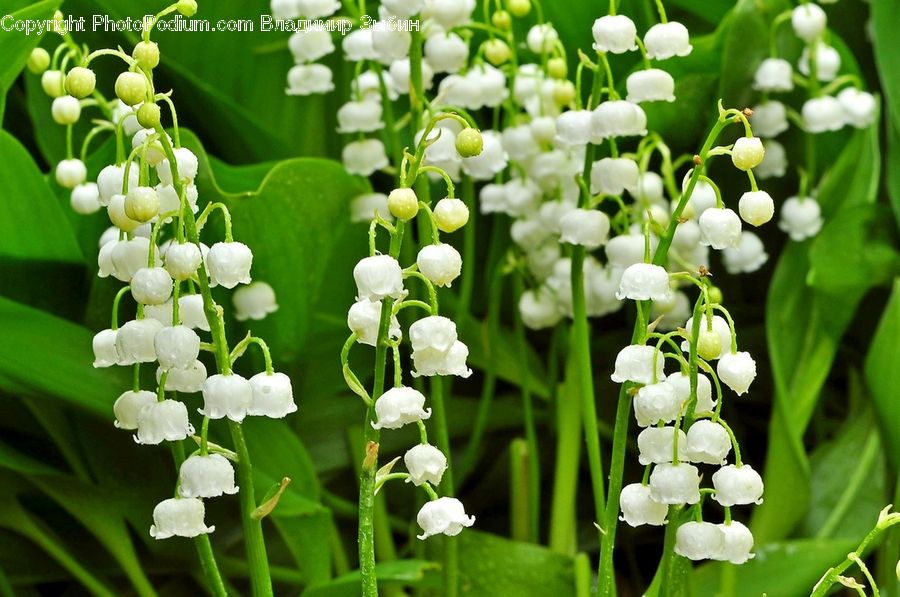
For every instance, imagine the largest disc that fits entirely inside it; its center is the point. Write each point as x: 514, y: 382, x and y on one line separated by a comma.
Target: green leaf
x: 783, y: 569
x: 804, y: 326
x: 15, y: 46
x: 887, y: 52
x: 407, y: 573
x: 883, y: 376
x: 33, y: 226
x: 25, y: 359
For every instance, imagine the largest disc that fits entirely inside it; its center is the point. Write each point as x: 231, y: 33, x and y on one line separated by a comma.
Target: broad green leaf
x: 33, y: 226
x: 804, y: 326
x: 308, y: 538
x: 15, y: 46
x: 784, y: 569
x: 26, y: 359
x: 887, y: 53
x: 408, y: 573
x: 740, y: 58
x: 883, y: 376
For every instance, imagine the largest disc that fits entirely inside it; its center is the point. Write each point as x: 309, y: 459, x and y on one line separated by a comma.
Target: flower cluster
x: 154, y: 247
x: 833, y: 101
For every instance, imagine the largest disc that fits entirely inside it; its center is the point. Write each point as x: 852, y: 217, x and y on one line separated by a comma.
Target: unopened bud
x: 469, y: 142
x: 709, y: 346
x: 557, y: 68
x: 38, y: 61
x: 450, y: 215
x: 496, y: 51
x: 519, y: 8
x: 501, y: 20
x: 141, y: 204
x: 148, y: 115
x: 80, y: 82
x: 147, y: 54
x: 403, y: 203
x: 131, y: 88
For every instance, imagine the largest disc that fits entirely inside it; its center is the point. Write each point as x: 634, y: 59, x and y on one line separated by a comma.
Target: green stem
x: 451, y: 549
x: 468, y: 275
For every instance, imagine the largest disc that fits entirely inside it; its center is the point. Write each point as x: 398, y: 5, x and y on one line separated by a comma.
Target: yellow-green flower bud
x: 709, y: 346
x: 556, y: 67
x: 519, y: 8
x: 187, y: 8
x: 80, y: 82
x: 141, y: 204
x: 715, y: 295
x: 747, y: 153
x: 147, y: 54
x: 148, y: 115
x: 450, y: 215
x: 53, y: 83
x: 131, y: 88
x: 469, y: 142
x: 403, y: 203
x: 38, y: 61
x: 496, y: 51
x: 502, y: 20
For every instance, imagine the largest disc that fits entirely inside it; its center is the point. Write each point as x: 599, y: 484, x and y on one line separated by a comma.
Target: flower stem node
x: 469, y: 142
x: 65, y: 110
x: 80, y: 82
x: 206, y: 476
x: 147, y: 54
x: 38, y: 61
x: 403, y: 203
x: 519, y: 8
x: 501, y: 19
x: 142, y: 204
x: 228, y: 396
x: 747, y: 153
x: 445, y: 516
x: 426, y: 464
x: 149, y: 115
x: 187, y: 8
x: 497, y: 51
x: 273, y: 395
x: 131, y: 88
x: 179, y: 517
x: 450, y: 214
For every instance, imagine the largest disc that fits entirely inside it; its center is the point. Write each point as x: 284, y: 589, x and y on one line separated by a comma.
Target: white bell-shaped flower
x: 543, y: 129
x: 446, y: 52
x: 228, y: 396
x: 708, y: 442
x: 162, y: 313
x: 134, y: 341
x: 309, y: 79
x: 770, y: 119
x: 177, y: 347
x: 398, y: 407
x: 700, y: 541
x: 490, y: 161
x: 618, y: 118
x: 626, y: 249
x: 110, y: 178
x: 719, y: 327
x: 163, y: 421
x: 273, y: 395
x: 539, y: 309
x: 359, y: 117
x: 357, y: 46
x: 187, y: 381
x: 585, y: 227
x: 426, y: 464
x: 611, y: 176
x: 403, y: 8
x: 682, y: 385
x: 128, y: 257
x: 440, y: 263
x: 378, y: 277
x: 542, y: 38
x: 284, y: 9
x: 117, y: 215
x: 614, y: 34
x: 667, y: 40
x: 747, y: 257
x: 649, y: 189
x: 363, y: 319
x: 191, y: 312
x: 801, y: 218
x: 720, y: 228
x: 828, y: 61
x: 318, y: 9
x: 85, y: 199
x: 859, y: 107
x: 703, y: 197
x: 186, y: 162
x: 737, y: 370
x: 206, y: 477
x: 448, y: 13
x: 822, y: 114
x: 639, y: 508
x: 364, y: 157
x: 809, y: 21
x: 635, y: 363
x: 104, y: 345
x: 643, y: 282
x: 737, y: 485
x: 364, y: 207
x: 675, y: 483
x: 154, y: 152
x: 656, y: 403
x: 182, y: 260
x: 308, y: 45
x: 774, y: 164
x: 756, y: 207
x: 573, y: 128
x: 70, y: 173
x: 774, y: 74
x: 391, y: 43
x: 228, y: 264
x: 656, y: 445
x: 254, y: 301
x: 170, y: 201
x: 400, y: 76
x: 530, y: 233
x: 650, y: 85
x: 445, y: 516
x: 151, y: 286
x: 129, y: 405
x: 179, y: 517
x: 738, y: 543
